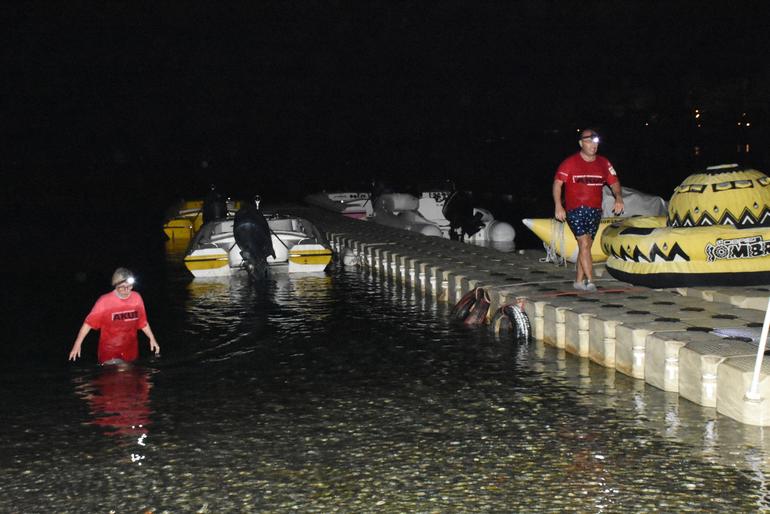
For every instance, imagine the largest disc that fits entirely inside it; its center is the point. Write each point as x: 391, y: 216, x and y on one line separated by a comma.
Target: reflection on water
x: 234, y: 317
x: 701, y: 432
x: 349, y: 392
x: 281, y: 287
x: 286, y: 310
x: 119, y: 399
x: 175, y: 250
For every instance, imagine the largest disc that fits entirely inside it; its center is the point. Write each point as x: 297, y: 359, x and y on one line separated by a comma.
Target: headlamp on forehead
x: 125, y: 283
x: 122, y: 276
x: 593, y: 138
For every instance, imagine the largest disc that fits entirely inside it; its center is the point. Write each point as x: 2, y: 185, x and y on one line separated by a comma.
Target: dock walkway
x: 698, y: 342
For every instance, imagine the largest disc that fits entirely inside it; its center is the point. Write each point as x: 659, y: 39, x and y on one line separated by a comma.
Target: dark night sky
x: 313, y: 89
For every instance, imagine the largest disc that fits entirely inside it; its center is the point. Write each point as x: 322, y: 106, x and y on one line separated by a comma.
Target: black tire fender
x: 462, y: 308
x: 477, y: 314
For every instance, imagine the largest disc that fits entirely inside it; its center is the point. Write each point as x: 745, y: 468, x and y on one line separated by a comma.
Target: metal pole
x: 753, y: 392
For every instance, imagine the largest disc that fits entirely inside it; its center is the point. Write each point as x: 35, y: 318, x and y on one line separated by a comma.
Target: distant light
x: 697, y: 115
x: 748, y: 123
x: 646, y: 123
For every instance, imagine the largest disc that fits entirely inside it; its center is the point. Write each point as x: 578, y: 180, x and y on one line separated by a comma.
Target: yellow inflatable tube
x: 717, y: 232
x: 644, y: 251
x: 558, y: 237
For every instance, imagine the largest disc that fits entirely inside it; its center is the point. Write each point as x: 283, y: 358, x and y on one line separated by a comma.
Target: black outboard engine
x: 459, y: 211
x: 214, y: 206
x: 377, y: 188
x: 252, y: 234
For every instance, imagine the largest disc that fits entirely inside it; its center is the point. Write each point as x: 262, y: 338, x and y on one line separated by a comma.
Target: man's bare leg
x: 584, y: 261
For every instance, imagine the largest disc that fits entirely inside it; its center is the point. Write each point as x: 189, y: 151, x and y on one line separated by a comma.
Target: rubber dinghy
x: 400, y: 210
x: 558, y: 238
x: 356, y: 205
x: 717, y: 232
x: 475, y: 224
x: 442, y: 214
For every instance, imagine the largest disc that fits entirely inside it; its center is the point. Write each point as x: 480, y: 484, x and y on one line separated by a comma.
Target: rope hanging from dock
x: 556, y: 248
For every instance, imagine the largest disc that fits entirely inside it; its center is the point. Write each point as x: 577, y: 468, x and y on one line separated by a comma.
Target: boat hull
x: 309, y: 258
x: 185, y: 220
x: 180, y: 228
x: 208, y: 262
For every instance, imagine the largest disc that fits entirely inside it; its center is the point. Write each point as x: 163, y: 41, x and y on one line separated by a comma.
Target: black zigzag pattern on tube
x: 746, y: 219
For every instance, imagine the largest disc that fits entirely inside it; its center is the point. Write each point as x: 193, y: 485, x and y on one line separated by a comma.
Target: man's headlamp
x: 591, y: 137
x: 129, y: 281
x: 122, y: 275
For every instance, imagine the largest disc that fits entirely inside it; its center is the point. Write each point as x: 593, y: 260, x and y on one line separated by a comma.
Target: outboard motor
x: 214, y: 206
x: 252, y: 234
x: 462, y: 220
x: 378, y: 188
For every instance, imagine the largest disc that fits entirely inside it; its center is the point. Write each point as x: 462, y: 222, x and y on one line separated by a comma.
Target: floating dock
x: 698, y: 342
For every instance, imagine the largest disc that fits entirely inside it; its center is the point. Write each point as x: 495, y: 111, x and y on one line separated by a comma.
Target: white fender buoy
x: 500, y: 231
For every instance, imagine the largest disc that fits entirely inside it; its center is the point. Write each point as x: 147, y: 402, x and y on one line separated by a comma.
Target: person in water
x: 581, y: 177
x: 117, y: 315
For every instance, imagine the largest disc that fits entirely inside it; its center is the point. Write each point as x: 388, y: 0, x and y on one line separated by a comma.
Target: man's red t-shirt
x: 118, y: 320
x: 583, y: 180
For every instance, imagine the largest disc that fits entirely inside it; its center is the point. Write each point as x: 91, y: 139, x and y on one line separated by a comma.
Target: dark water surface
x: 345, y: 392
x: 334, y: 393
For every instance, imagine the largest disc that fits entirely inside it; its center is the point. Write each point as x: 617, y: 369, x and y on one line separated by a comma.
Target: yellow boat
x: 717, y: 232
x: 558, y: 238
x: 185, y: 218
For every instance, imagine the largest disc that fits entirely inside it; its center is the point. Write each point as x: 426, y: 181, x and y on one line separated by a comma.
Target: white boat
x: 401, y: 210
x: 495, y: 233
x: 427, y: 214
x: 298, y: 245
x: 423, y: 214
x: 354, y: 205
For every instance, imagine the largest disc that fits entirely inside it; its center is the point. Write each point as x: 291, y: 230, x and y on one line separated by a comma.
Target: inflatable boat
x: 717, y: 232
x: 559, y: 241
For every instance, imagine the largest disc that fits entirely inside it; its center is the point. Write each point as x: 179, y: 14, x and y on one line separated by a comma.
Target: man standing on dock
x: 585, y: 174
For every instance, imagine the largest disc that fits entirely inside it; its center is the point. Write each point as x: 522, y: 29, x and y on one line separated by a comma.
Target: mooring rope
x: 555, y: 249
